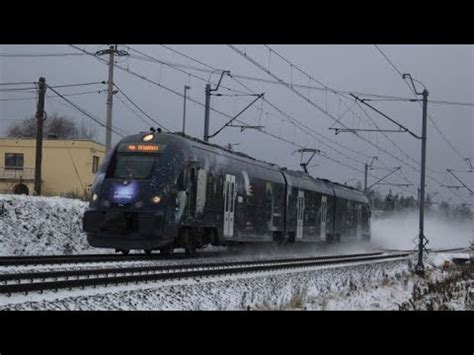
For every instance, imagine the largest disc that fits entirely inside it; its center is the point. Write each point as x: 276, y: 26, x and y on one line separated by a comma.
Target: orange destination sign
x: 143, y: 148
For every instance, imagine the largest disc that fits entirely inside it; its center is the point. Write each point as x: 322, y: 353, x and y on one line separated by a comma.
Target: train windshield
x: 133, y: 166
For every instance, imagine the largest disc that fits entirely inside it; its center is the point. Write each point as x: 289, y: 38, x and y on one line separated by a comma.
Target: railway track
x: 429, y: 250
x: 68, y: 279
x: 91, y: 258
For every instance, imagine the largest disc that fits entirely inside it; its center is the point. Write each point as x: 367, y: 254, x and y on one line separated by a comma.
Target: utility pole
x: 186, y: 88
x: 420, y: 268
x: 110, y: 96
x: 40, y: 117
x: 112, y: 51
x: 367, y: 166
x: 422, y: 241
x: 207, y: 107
x: 206, y: 112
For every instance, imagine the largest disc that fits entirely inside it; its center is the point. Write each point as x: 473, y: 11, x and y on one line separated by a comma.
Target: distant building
x: 68, y: 166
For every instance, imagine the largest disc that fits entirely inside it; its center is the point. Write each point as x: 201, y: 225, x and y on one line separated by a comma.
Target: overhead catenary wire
x: 213, y: 69
x: 379, y: 97
x: 429, y: 116
x: 322, y: 110
x: 265, y: 132
x: 51, y: 96
x: 213, y: 109
x: 140, y: 109
x: 38, y: 55
x: 338, y: 93
x: 96, y: 120
x: 132, y: 110
x: 312, y: 103
x: 292, y: 120
x: 18, y: 83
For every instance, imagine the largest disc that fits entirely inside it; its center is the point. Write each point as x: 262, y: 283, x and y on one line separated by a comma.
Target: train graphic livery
x: 161, y: 191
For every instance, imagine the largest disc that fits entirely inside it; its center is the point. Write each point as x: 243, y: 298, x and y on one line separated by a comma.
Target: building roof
x: 48, y: 140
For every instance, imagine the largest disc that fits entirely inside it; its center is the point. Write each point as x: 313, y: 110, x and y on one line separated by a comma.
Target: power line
x: 335, y: 92
x: 80, y: 84
x: 133, y: 111
x: 220, y: 112
x: 138, y: 108
x: 18, y: 83
x: 389, y: 61
x: 212, y: 69
x: 282, y: 83
x: 32, y: 55
x: 155, y: 60
x: 84, y: 111
x: 311, y: 102
x: 471, y: 104
x: 429, y: 116
x: 265, y: 132
x: 217, y: 111
x: 285, y: 115
x: 51, y: 96
x: 121, y: 131
x: 317, y: 106
x: 18, y: 89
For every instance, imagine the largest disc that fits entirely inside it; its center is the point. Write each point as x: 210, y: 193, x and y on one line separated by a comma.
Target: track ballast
x: 48, y: 280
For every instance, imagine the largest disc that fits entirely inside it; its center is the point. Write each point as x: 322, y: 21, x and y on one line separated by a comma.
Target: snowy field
x: 376, y: 286
x: 40, y: 225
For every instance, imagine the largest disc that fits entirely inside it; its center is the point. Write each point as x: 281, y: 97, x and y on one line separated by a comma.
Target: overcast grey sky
x: 447, y: 71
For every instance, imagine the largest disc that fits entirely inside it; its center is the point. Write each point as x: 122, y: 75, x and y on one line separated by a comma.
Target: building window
x: 95, y: 164
x: 13, y: 161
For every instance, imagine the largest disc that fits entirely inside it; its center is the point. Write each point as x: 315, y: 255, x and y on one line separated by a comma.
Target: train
x: 163, y: 191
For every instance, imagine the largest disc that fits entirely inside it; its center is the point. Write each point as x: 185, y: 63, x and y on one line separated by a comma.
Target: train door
x: 359, y: 220
x: 324, y: 210
x: 201, y: 184
x: 299, y: 215
x: 229, y: 204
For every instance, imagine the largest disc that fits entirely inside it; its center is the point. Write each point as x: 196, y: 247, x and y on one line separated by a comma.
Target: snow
x: 42, y: 226
x: 400, y: 231
x: 53, y: 225
x: 374, y: 286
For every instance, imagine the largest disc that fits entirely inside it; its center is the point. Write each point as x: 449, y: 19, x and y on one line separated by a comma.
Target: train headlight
x: 94, y: 197
x: 148, y: 137
x: 156, y: 199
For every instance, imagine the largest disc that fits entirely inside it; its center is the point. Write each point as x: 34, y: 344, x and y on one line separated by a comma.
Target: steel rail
x: 161, y: 268
x: 160, y: 273
x: 90, y: 258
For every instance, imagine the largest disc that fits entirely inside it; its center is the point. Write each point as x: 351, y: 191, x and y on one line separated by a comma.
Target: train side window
x: 182, y: 182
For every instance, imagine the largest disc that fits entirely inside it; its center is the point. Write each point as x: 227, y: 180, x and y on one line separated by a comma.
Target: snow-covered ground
x: 41, y: 226
x: 374, y: 286
x: 53, y: 225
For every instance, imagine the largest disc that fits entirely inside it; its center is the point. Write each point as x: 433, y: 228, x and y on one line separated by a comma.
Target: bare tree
x: 58, y: 126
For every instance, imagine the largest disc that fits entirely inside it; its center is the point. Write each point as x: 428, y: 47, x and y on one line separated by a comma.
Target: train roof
x: 348, y: 192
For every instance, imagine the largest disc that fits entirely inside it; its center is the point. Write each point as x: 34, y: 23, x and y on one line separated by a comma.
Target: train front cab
x: 132, y: 205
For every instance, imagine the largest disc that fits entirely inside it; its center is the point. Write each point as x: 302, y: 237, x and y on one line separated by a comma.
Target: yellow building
x: 68, y: 166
